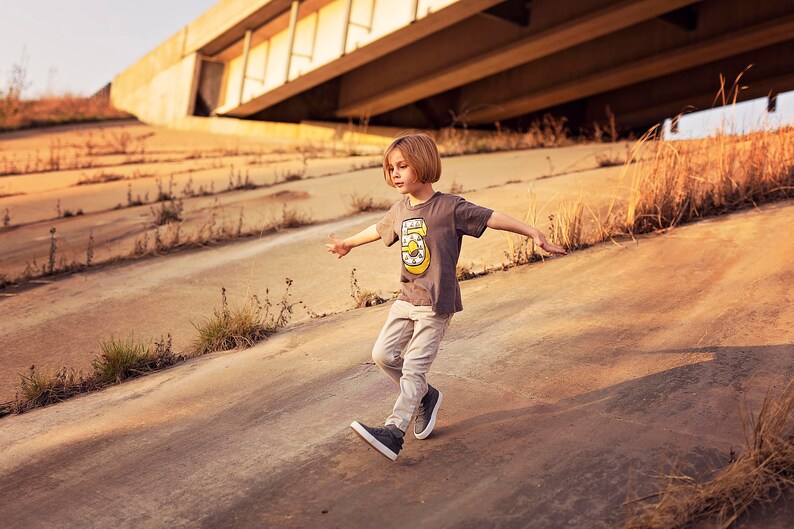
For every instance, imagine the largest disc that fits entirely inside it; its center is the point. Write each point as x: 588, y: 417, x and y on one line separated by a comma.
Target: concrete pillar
x: 246, y: 52
x: 345, y: 26
x: 293, y: 22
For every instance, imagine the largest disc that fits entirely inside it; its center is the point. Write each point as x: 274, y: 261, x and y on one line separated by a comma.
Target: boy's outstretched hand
x: 336, y: 246
x: 549, y: 247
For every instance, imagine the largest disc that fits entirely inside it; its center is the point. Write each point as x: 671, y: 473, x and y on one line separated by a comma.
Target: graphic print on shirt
x: 415, y: 253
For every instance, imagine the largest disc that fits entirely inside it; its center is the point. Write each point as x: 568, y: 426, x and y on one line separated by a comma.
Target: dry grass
x: 363, y: 203
x: 456, y: 140
x: 58, y: 110
x: 16, y: 112
x: 100, y: 178
x: 679, y: 182
x: 123, y: 358
x: 566, y: 226
x: 119, y: 359
x: 167, y: 212
x: 40, y: 388
x: 166, y: 236
x: 363, y: 297
x: 758, y: 476
x: 238, y: 327
x: 609, y: 159
x: 292, y: 218
x: 671, y: 183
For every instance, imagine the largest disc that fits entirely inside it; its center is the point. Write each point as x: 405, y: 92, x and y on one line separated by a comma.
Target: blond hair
x: 421, y: 153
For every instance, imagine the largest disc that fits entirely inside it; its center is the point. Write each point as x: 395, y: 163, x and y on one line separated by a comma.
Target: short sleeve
x: 385, y: 226
x: 471, y: 219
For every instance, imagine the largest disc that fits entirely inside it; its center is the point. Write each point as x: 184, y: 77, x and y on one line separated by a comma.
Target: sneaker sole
x: 380, y: 447
x: 432, y: 424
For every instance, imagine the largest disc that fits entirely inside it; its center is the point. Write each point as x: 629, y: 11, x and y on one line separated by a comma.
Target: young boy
x: 430, y: 226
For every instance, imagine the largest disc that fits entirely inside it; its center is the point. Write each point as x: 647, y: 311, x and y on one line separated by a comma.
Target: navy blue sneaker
x: 426, y: 414
x: 387, y: 440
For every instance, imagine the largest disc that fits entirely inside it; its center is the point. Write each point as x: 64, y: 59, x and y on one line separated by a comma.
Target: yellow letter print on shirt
x: 416, y: 254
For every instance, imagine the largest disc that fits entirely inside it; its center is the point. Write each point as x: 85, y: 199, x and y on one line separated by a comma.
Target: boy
x: 430, y: 226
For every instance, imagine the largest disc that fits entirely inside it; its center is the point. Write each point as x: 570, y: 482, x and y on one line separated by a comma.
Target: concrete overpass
x: 432, y: 63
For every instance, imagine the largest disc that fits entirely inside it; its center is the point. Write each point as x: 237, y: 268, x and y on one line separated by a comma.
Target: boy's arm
x: 342, y: 248
x: 500, y: 221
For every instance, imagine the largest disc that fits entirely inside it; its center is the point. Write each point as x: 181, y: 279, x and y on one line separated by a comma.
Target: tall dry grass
x: 758, y: 476
x: 242, y: 326
x: 663, y: 184
x: 678, y: 182
x: 675, y: 182
x: 458, y: 139
x: 118, y: 360
x: 55, y: 110
x: 18, y: 112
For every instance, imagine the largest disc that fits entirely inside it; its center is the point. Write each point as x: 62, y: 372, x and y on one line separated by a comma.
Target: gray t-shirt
x: 430, y: 235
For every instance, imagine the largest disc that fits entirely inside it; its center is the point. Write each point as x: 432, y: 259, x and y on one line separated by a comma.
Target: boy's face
x: 403, y: 176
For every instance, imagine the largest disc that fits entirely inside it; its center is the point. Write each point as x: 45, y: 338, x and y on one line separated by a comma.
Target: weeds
x: 363, y: 297
x: 455, y: 188
x: 609, y: 159
x: 521, y: 250
x: 231, y: 328
x: 466, y: 272
x: 566, y: 225
x: 40, y: 388
x: 292, y: 218
x: 53, y: 249
x: 69, y: 213
x: 759, y: 476
x: 680, y: 182
x: 100, y: 178
x: 458, y: 139
x: 120, y: 359
x: 168, y: 212
x: 89, y: 253
x: 237, y: 182
x: 363, y: 203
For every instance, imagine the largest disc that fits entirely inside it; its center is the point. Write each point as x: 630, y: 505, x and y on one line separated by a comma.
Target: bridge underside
x: 643, y: 61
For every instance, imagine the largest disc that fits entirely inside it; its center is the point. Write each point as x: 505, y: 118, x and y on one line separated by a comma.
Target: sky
x: 78, y: 46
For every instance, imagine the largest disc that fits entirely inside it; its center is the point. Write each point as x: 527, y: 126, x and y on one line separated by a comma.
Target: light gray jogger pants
x: 418, y: 330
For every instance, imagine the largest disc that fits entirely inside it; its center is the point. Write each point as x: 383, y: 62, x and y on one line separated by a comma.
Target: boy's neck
x: 421, y: 195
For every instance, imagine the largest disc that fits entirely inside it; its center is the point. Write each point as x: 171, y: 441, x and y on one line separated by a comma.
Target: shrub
x: 363, y: 203
x: 758, y: 476
x: 120, y: 359
x: 170, y: 211
x: 230, y: 328
x: 363, y: 297
x: 292, y: 218
x: 41, y: 388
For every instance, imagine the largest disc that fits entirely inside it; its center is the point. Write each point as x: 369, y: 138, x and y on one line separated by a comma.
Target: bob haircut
x: 421, y: 153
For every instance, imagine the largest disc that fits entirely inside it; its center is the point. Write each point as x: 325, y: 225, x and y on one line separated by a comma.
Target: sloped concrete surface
x: 568, y: 385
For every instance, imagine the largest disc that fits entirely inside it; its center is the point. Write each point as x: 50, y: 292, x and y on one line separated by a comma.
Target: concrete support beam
x: 750, y: 38
x: 584, y: 28
x: 418, y: 30
x: 703, y: 101
x: 246, y: 52
x: 694, y: 89
x: 293, y: 21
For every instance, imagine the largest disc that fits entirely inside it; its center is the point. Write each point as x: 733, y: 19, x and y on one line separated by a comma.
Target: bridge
x: 436, y: 63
